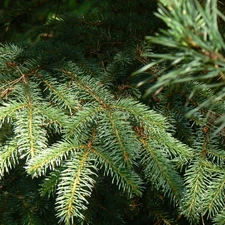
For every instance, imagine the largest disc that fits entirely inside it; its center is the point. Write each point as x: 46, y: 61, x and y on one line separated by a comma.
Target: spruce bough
x: 99, y: 135
x: 80, y: 143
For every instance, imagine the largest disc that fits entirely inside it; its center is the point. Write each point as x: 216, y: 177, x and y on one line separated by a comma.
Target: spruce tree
x: 82, y: 144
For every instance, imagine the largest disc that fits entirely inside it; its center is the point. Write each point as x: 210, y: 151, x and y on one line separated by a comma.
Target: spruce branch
x: 75, y: 187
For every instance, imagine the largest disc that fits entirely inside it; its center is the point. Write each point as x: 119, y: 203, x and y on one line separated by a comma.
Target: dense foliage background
x: 112, y: 113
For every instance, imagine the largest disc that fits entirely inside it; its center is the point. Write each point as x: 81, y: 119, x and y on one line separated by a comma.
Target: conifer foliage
x: 100, y: 135
x: 79, y: 145
x: 193, y: 76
